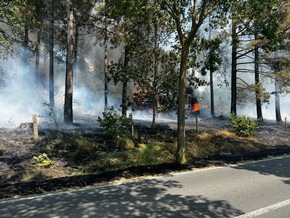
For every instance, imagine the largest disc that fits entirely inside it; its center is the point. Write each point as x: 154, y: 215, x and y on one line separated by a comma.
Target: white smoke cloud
x: 19, y: 97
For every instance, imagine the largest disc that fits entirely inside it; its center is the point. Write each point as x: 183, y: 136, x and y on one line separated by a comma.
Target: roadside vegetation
x: 118, y: 145
x: 70, y: 154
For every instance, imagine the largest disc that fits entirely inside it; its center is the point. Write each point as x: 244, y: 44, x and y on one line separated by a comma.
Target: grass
x: 92, y: 153
x: 67, y: 154
x: 208, y: 144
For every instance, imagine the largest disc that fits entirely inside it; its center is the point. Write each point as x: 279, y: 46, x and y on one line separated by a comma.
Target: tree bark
x: 211, y: 76
x: 25, y: 58
x: 155, y: 59
x: 257, y: 82
x: 106, y: 67
x: 234, y: 69
x: 51, y: 58
x: 76, y: 52
x: 277, y: 102
x: 68, y: 104
x: 37, y: 55
x: 180, y: 153
x: 124, y: 104
x: 211, y: 92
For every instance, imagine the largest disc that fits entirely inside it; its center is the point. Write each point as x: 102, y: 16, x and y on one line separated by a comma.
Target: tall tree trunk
x: 37, y: 54
x: 106, y: 63
x: 211, y: 75
x: 257, y: 82
x: 180, y: 152
x: 124, y: 104
x: 124, y: 98
x: 155, y: 68
x: 211, y: 92
x: 68, y: 102
x: 234, y: 69
x: 51, y: 58
x: 154, y: 103
x: 76, y: 52
x: 25, y: 58
x: 277, y: 101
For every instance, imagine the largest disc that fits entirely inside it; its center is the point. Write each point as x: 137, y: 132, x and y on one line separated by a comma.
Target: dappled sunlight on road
x: 146, y: 198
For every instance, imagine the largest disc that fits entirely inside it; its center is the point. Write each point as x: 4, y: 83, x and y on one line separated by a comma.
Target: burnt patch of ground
x: 17, y: 150
x: 73, y: 182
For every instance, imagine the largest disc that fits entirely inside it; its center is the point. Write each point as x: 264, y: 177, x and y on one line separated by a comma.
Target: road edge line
x: 265, y: 209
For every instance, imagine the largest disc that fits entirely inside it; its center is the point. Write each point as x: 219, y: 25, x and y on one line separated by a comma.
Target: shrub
x: 117, y: 126
x: 43, y: 160
x: 243, y: 126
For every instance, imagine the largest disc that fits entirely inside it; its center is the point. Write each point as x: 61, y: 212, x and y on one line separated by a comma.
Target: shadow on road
x: 278, y: 167
x: 146, y: 198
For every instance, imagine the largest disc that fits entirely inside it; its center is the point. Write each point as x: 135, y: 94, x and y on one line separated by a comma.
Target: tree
x: 11, y: 28
x: 128, y: 19
x: 105, y: 59
x: 74, y: 8
x: 277, y: 56
x: 188, y: 17
x: 252, y: 33
x: 51, y: 55
x: 68, y: 102
x: 234, y: 68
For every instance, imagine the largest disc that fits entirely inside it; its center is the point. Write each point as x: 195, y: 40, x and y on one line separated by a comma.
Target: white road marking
x: 265, y: 209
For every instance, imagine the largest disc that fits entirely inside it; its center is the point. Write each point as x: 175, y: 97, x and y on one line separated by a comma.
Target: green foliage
x: 85, y: 147
x: 115, y: 125
x: 145, y: 154
x: 42, y: 160
x: 243, y: 126
x: 153, y: 154
x: 124, y: 142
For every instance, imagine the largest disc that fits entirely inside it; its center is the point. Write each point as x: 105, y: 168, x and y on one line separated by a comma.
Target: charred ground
x: 74, y: 151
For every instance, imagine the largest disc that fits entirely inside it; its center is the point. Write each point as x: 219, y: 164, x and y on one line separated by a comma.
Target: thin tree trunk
x: 155, y: 59
x: 125, y: 83
x: 211, y: 92
x: 25, y: 58
x: 277, y: 102
x: 51, y: 58
x: 124, y: 98
x: 106, y: 65
x: 180, y: 152
x: 76, y: 52
x: 68, y: 104
x: 257, y: 82
x: 37, y: 54
x: 211, y: 76
x: 234, y: 69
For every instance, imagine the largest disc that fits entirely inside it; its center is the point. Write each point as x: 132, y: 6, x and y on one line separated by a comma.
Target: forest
x: 110, y: 61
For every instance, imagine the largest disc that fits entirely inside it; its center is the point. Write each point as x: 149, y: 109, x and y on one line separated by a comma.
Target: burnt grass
x: 22, y: 148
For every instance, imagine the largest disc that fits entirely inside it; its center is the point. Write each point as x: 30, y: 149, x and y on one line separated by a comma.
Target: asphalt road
x: 257, y: 189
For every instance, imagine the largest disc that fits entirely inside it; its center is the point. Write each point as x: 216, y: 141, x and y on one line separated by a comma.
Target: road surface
x: 256, y: 189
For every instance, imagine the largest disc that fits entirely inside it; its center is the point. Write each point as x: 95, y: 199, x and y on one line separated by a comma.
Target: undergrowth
x: 98, y: 152
x: 60, y: 154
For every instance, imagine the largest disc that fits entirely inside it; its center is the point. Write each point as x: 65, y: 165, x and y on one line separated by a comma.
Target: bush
x: 42, y: 160
x: 116, y: 125
x: 243, y: 126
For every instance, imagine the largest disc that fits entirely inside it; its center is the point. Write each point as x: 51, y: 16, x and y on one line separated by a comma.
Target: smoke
x: 22, y: 95
x: 19, y: 97
x: 222, y: 99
